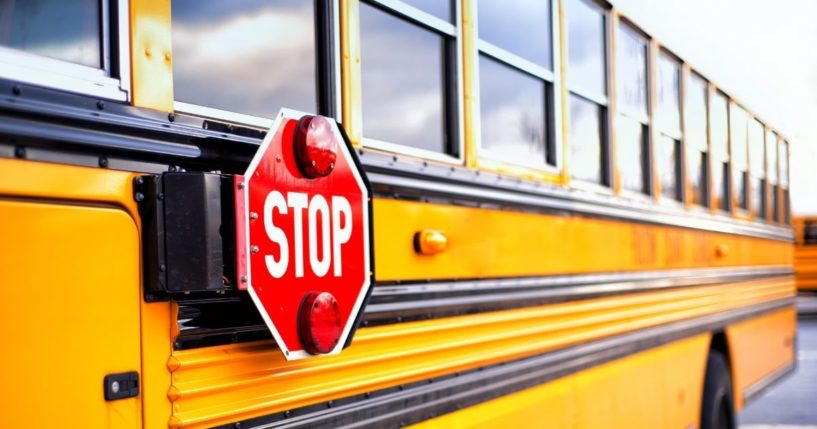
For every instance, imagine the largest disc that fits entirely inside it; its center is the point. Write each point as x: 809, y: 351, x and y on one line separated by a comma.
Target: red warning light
x: 316, y: 149
x: 319, y: 322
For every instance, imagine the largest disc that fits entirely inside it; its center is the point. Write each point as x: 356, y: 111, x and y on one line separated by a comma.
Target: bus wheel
x: 716, y: 408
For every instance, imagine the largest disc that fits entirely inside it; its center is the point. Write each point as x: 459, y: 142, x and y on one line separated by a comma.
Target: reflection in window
x: 740, y: 164
x: 251, y: 57
x: 631, y: 60
x: 668, y: 167
x: 585, y: 140
x: 587, y: 81
x: 771, y: 157
x: 720, y: 151
x: 403, y: 89
x: 630, y: 154
x: 65, y: 30
x: 696, y: 140
x: 512, y: 112
x: 440, y: 8
x: 757, y: 162
x: 586, y: 47
x: 669, y: 101
x: 521, y: 27
x: 631, y: 137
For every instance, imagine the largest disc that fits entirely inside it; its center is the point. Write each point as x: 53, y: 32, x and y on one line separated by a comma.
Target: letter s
x: 276, y: 201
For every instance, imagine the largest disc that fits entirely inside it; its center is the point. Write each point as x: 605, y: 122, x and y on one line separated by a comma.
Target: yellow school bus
x: 805, y: 252
x: 571, y: 226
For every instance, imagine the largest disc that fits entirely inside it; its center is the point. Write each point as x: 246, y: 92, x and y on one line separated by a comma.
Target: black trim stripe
x: 232, y: 318
x: 431, y: 398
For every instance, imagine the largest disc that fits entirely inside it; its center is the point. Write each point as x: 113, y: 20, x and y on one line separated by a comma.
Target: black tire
x: 717, y: 410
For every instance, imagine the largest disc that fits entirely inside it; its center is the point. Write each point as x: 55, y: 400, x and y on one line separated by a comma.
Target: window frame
x: 328, y: 100
x: 645, y: 120
x: 734, y: 108
x: 602, y: 102
x: 758, y: 175
x: 706, y: 168
x: 553, y: 95
x: 714, y: 158
x: 112, y: 81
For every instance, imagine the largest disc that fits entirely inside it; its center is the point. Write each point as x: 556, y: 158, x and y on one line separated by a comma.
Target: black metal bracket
x: 187, y: 233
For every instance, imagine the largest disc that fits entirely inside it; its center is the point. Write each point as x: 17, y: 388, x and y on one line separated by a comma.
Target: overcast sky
x: 759, y: 51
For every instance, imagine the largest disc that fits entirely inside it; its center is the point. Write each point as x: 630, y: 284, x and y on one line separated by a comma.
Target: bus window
x: 669, y: 124
x: 697, y: 140
x: 772, y: 172
x: 810, y: 232
x: 720, y: 150
x: 68, y: 31
x: 441, y: 9
x: 515, y: 81
x: 757, y: 160
x: 251, y: 57
x: 783, y: 152
x: 632, y: 135
x: 408, y: 79
x: 740, y: 163
x: 587, y: 81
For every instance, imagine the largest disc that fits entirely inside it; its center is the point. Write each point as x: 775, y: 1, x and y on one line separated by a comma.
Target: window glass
x: 440, y: 8
x: 720, y: 136
x: 631, y: 71
x: 668, y: 150
x: 65, y: 30
x: 585, y: 140
x: 771, y: 157
x: 783, y: 152
x: 403, y: 89
x: 696, y: 139
x: 759, y: 198
x: 586, y: 47
x: 251, y: 57
x: 512, y: 112
x: 720, y: 184
x: 810, y: 232
x: 757, y: 154
x: 521, y: 27
x: 669, y: 102
x: 738, y: 128
x: 630, y: 154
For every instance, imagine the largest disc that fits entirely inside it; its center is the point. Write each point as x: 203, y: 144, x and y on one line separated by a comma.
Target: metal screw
x: 162, y: 268
x: 20, y: 151
x: 16, y: 90
x: 241, y: 185
x: 171, y: 117
x: 287, y: 414
x: 103, y: 162
x: 140, y: 180
x: 139, y: 197
x: 100, y: 104
x: 160, y: 196
x: 253, y: 215
x: 115, y: 387
x: 254, y: 249
x: 244, y: 279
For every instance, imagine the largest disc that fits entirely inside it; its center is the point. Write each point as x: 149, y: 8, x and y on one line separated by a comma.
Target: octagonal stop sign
x: 302, y: 227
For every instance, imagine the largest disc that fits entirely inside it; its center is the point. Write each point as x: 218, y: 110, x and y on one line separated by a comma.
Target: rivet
x: 171, y: 117
x: 16, y: 90
x: 100, y: 104
x: 168, y: 57
x: 140, y: 180
x: 241, y: 185
x: 254, y: 249
x: 253, y: 215
x: 139, y: 197
x: 244, y: 279
x: 20, y: 151
x: 162, y: 268
x: 148, y: 52
x: 278, y: 158
x: 287, y: 414
x: 160, y: 196
x: 103, y: 161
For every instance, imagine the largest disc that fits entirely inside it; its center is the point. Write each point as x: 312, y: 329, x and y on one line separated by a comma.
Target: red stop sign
x: 303, y: 219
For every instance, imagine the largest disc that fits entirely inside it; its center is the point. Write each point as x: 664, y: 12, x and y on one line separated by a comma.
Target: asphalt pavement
x: 792, y: 403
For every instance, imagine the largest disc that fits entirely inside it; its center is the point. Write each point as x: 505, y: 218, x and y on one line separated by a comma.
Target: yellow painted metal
x: 612, y: 89
x: 151, y: 54
x: 100, y: 191
x: 70, y: 307
x: 470, y: 111
x: 350, y: 70
x: 497, y: 243
x: 805, y: 256
x: 502, y: 167
x: 564, y: 94
x: 647, y: 390
x: 218, y: 385
x: 760, y: 346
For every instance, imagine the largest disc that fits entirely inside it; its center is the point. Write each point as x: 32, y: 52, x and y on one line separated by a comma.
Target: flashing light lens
x: 319, y: 324
x: 316, y: 148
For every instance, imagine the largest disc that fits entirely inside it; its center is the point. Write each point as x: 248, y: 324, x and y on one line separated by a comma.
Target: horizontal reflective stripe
x: 431, y: 398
